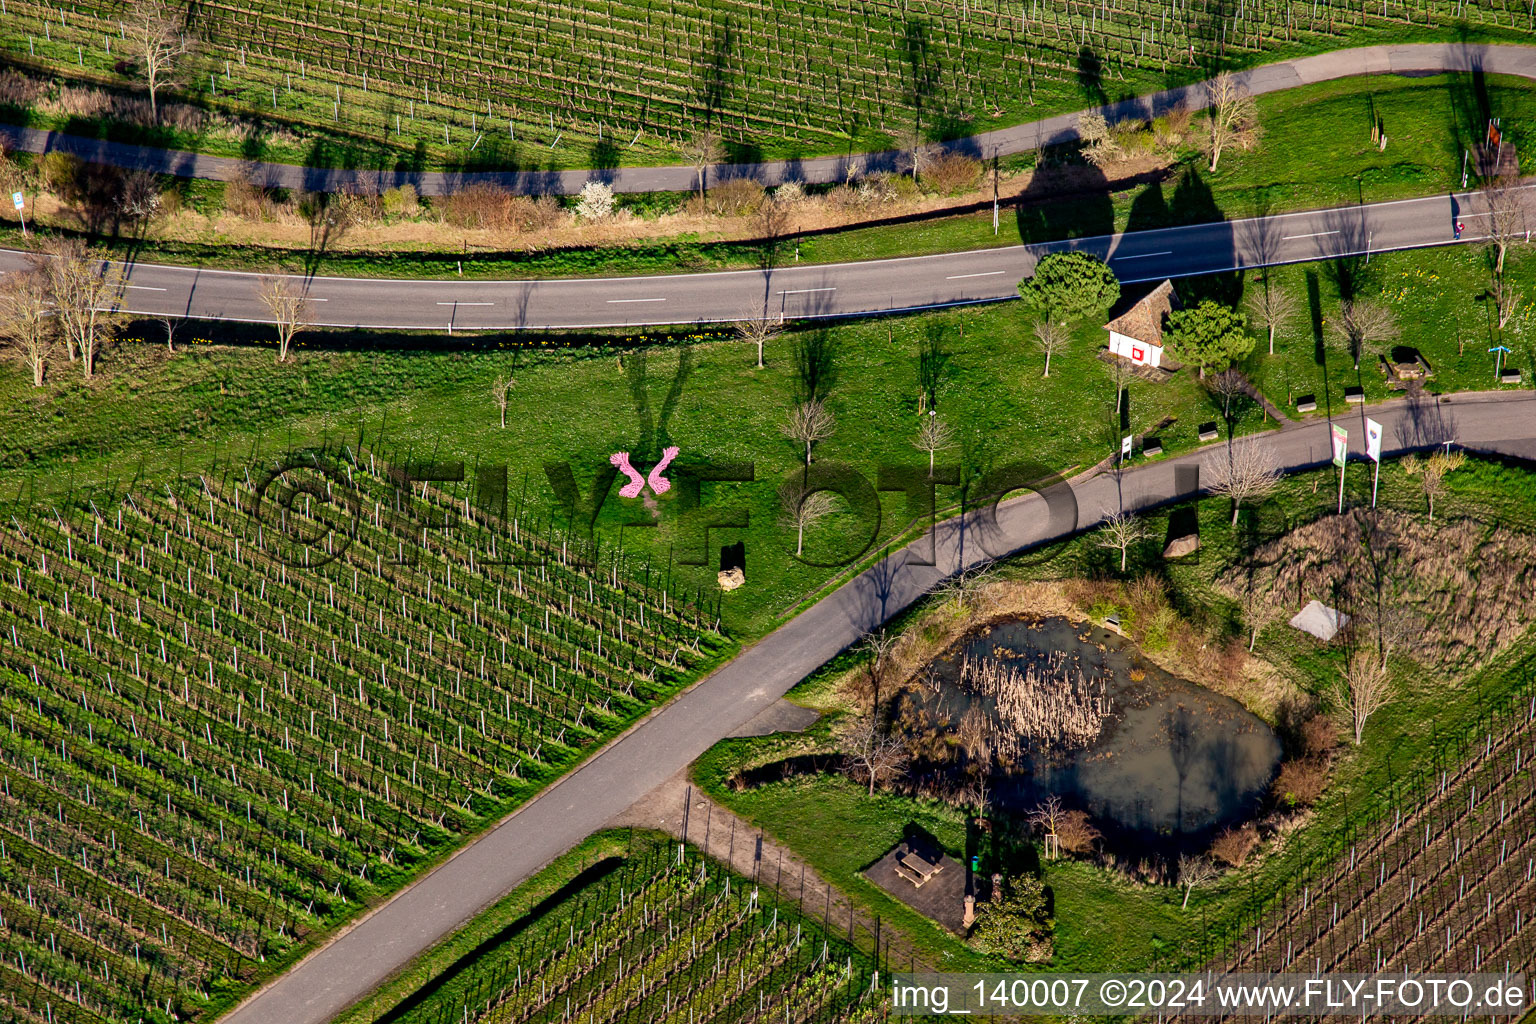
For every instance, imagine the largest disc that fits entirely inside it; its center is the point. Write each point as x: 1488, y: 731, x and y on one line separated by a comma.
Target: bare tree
x: 1507, y: 221
x: 1121, y: 530
x: 876, y: 755
x: 802, y: 508
x: 501, y: 390
x: 84, y: 293
x: 1047, y: 817
x: 702, y: 149
x: 170, y: 323
x: 1362, y: 322
x: 1227, y: 385
x: 933, y: 436
x: 1506, y: 296
x: 1232, y: 117
x: 1247, y: 473
x: 1050, y: 337
x: 1271, y: 309
x: 1258, y: 610
x: 808, y: 423
x: 879, y: 646
x: 1432, y: 473
x: 1364, y: 687
x: 756, y: 330
x: 1193, y: 871
x: 26, y: 320
x: 288, y: 305
x: 915, y: 154
x: 157, y: 38
x: 966, y: 583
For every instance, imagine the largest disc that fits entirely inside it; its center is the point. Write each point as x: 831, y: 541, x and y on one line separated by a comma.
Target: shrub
x: 595, y: 201
x: 952, y: 173
x: 481, y: 205
x: 535, y: 213
x: 790, y: 193
x: 1075, y: 833
x: 1159, y: 627
x: 1300, y: 782
x: 1234, y: 845
x: 737, y: 197
x: 1319, y: 736
x: 57, y: 171
x: 400, y: 202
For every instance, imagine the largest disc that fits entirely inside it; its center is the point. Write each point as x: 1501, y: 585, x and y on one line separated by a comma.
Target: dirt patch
x: 1450, y: 594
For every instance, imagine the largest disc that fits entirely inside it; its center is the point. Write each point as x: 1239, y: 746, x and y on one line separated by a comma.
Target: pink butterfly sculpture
x: 659, y: 484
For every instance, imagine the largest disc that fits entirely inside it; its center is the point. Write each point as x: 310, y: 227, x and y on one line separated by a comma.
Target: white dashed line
x: 1144, y: 255
x: 1315, y: 234
x: 961, y: 277
x: 143, y: 288
x: 636, y: 300
x: 466, y: 303
x: 804, y: 291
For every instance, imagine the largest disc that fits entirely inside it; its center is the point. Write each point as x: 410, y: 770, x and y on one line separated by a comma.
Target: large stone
x: 1179, y: 547
x: 730, y: 579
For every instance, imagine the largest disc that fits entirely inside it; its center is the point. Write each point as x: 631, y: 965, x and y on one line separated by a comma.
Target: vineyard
x: 602, y: 82
x: 240, y: 706
x: 668, y: 936
x: 1439, y: 882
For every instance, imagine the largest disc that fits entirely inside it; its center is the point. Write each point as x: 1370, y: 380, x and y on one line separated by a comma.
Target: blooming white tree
x: 596, y: 201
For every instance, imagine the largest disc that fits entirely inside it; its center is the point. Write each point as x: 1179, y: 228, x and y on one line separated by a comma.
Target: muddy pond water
x: 1172, y: 763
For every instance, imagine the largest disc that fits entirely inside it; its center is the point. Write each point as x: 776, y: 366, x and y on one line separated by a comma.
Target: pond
x: 1074, y: 710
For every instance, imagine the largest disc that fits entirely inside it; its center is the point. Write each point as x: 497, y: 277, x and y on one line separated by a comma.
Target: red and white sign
x: 1139, y: 352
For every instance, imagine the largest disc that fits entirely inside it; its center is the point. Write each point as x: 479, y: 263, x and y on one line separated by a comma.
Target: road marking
x: 961, y: 277
x: 1315, y: 234
x: 311, y: 298
x: 143, y: 288
x: 457, y: 303
x: 1144, y: 255
x: 804, y: 291
x: 636, y: 300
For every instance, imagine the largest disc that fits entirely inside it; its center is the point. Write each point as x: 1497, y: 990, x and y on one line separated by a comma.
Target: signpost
x: 1498, y: 359
x: 1340, y: 456
x: 1373, y: 449
x: 20, y: 201
x: 1125, y: 446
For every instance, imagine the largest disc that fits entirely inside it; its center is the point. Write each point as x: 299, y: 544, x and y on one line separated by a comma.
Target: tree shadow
x: 653, y: 434
x: 1067, y: 197
x: 716, y: 79
x: 921, y: 67
x: 1193, y: 203
x: 933, y: 361
x: 1090, y: 76
x: 1149, y: 210
x: 815, y: 364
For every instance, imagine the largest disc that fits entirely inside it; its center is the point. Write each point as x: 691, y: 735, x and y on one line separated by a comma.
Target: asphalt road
x: 1404, y: 59
x: 362, y: 957
x: 794, y: 292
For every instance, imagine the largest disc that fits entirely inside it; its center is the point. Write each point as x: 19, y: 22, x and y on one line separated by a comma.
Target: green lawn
x: 1105, y: 922
x: 703, y: 394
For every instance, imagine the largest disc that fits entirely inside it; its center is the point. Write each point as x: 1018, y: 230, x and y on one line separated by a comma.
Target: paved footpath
x: 1363, y: 60
x: 635, y: 764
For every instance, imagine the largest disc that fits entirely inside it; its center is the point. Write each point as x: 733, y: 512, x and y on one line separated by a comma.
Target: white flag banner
x: 1125, y: 445
x: 1373, y: 440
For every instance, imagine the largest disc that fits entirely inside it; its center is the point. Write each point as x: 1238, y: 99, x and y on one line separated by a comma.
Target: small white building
x: 1137, y: 334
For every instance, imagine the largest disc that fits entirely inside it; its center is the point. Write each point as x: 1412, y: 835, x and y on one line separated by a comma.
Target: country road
x: 1414, y: 58
x: 794, y: 292
x: 672, y: 737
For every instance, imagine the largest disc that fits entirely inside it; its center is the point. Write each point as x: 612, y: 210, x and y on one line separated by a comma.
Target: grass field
x: 1104, y: 920
x: 239, y: 712
x: 603, y: 82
